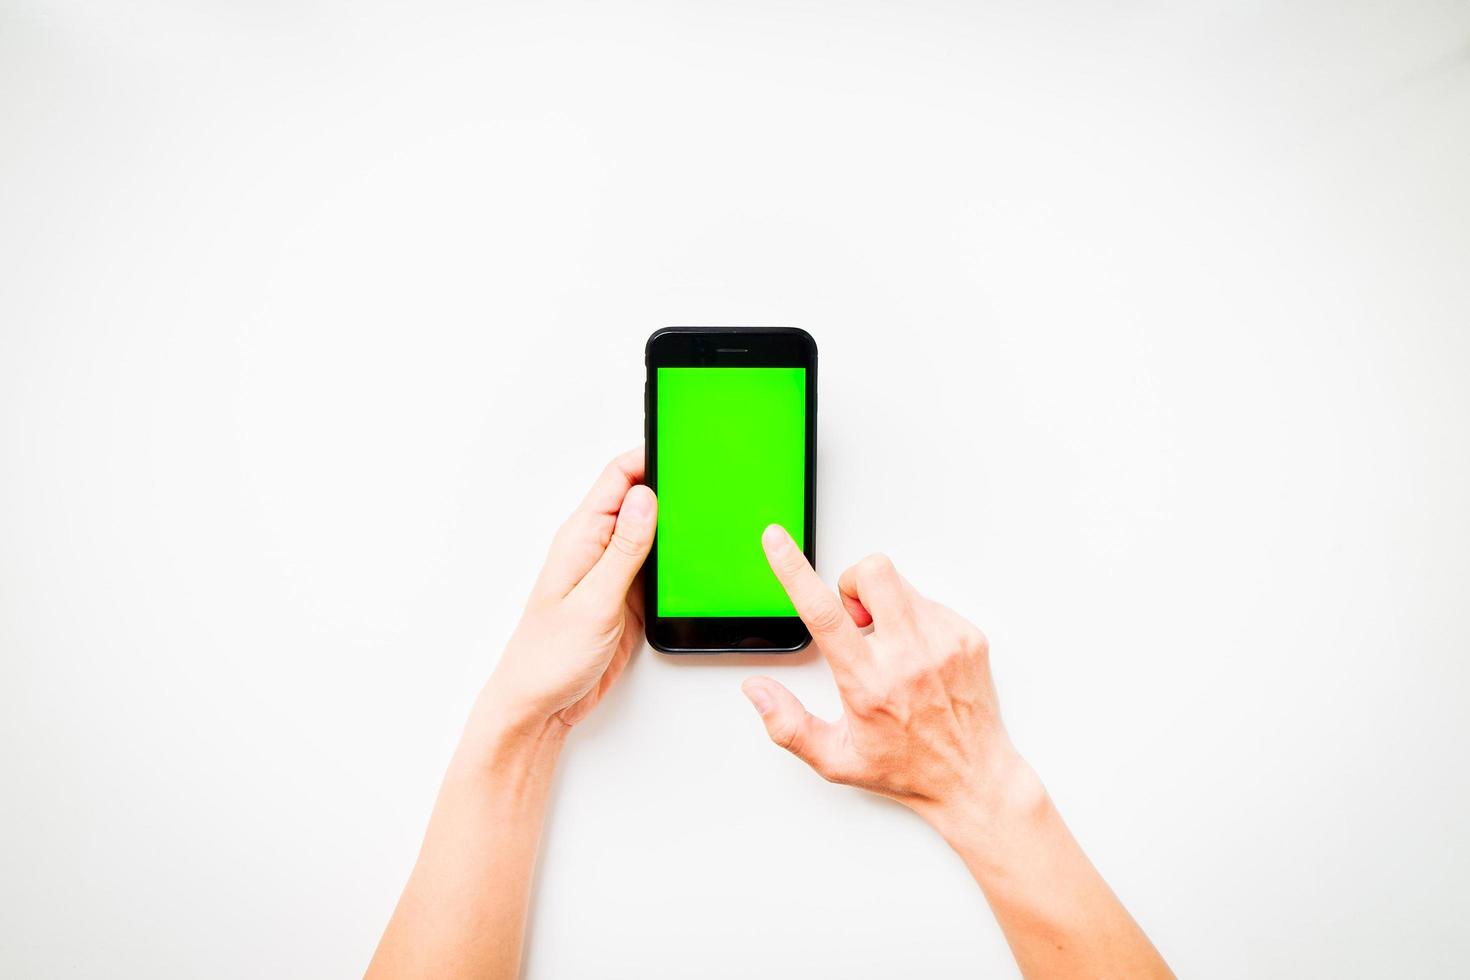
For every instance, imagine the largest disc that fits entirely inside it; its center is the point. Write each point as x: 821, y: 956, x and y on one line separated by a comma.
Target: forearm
x: 1057, y: 913
x: 463, y: 911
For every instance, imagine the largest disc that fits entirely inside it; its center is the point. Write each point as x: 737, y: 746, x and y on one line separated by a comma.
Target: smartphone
x: 730, y: 416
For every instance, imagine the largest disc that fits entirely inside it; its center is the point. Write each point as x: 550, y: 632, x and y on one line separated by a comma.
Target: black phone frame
x: 727, y: 347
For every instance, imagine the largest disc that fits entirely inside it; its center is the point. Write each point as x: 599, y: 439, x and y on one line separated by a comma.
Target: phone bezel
x: 728, y: 347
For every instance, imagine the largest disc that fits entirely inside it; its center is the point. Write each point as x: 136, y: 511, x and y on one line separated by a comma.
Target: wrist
x: 504, y: 731
x: 1005, y: 795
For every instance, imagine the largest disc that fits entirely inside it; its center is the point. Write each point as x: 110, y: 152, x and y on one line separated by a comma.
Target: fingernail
x: 638, y: 504
x: 774, y: 537
x: 758, y: 697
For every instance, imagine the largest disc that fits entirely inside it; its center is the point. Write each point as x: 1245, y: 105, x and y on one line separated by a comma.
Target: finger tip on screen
x: 774, y: 536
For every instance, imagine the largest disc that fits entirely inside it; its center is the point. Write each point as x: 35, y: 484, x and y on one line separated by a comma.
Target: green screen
x: 731, y: 460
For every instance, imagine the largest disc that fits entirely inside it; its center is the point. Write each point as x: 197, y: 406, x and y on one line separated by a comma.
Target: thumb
x: 632, y: 537
x: 795, y: 729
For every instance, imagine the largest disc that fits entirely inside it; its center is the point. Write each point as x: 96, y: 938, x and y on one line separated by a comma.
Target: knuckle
x: 626, y: 545
x: 825, y: 616
x: 973, y: 642
x: 788, y: 735
x: 878, y: 565
x: 791, y: 559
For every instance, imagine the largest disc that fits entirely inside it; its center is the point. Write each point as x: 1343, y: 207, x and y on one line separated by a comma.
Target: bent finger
x: 609, y: 580
x: 583, y: 537
x: 876, y: 589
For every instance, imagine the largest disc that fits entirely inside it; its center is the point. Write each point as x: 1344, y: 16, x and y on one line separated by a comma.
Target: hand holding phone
x: 584, y: 617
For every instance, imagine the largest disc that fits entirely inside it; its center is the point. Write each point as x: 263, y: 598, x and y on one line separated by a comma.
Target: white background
x: 1145, y: 337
